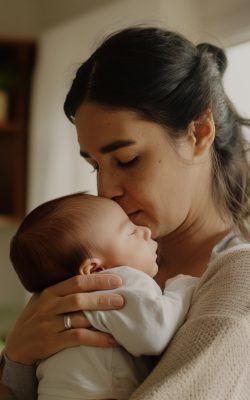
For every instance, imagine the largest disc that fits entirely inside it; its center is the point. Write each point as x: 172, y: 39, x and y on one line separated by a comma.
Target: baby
x: 85, y: 234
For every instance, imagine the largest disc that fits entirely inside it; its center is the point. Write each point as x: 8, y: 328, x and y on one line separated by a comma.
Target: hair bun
x: 218, y: 54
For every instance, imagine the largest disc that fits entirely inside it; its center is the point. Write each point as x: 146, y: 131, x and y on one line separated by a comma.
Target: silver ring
x: 67, y: 321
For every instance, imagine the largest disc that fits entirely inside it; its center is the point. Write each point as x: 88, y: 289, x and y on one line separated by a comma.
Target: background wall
x: 67, y: 31
x: 237, y: 81
x: 225, y: 21
x: 28, y: 18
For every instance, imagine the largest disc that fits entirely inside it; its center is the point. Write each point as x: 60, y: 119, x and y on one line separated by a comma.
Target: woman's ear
x: 202, y: 132
x: 90, y: 266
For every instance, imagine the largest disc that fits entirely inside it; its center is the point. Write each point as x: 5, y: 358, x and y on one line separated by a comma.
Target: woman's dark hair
x: 48, y: 246
x: 166, y: 79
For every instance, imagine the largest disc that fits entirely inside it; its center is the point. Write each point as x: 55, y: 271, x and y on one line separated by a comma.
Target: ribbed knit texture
x: 209, y: 357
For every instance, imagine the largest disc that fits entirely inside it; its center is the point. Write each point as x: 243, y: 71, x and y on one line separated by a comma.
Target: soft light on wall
x: 237, y: 79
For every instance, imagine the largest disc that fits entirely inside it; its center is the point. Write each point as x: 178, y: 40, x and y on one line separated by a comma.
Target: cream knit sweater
x: 209, y: 357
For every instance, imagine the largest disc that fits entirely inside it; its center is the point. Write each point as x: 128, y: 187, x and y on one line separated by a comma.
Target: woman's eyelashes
x: 121, y: 164
x: 128, y: 164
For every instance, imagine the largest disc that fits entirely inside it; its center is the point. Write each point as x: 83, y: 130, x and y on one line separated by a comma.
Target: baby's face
x: 117, y: 241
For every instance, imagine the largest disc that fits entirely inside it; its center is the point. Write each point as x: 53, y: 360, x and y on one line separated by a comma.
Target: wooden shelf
x: 12, y: 127
x: 17, y: 59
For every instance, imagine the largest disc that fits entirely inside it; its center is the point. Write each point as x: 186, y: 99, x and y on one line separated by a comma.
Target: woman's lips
x: 133, y: 214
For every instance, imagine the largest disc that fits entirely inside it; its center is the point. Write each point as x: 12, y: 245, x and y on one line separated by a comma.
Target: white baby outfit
x: 143, y: 327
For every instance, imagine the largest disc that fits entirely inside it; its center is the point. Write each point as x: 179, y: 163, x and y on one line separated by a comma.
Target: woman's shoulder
x: 230, y: 258
x: 231, y: 262
x: 224, y: 288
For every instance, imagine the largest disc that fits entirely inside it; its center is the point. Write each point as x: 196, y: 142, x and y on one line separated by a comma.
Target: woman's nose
x: 108, y: 185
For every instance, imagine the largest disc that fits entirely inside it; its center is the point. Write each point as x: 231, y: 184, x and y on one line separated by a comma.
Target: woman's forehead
x: 107, y: 130
x: 99, y: 116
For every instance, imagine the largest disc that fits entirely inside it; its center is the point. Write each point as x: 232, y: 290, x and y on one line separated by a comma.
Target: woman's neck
x: 189, y: 253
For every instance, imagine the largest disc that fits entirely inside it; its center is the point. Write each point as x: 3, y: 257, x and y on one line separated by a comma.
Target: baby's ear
x: 90, y: 266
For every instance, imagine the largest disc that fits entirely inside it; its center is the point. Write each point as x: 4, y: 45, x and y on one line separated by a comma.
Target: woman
x: 153, y: 120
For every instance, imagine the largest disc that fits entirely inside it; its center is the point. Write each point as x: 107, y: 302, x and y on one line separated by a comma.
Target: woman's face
x: 138, y: 166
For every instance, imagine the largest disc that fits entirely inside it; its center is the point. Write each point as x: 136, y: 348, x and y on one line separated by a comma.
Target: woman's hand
x: 39, y: 332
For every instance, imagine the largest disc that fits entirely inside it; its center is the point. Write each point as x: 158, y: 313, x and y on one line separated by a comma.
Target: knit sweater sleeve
x: 20, y: 379
x: 209, y: 356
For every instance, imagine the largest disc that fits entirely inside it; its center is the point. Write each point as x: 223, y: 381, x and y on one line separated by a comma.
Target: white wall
x: 237, y: 81
x: 225, y: 22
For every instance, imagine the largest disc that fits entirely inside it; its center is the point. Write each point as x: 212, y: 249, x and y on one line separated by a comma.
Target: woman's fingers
x: 78, y: 320
x: 41, y: 339
x: 40, y: 332
x: 84, y: 283
x: 89, y: 301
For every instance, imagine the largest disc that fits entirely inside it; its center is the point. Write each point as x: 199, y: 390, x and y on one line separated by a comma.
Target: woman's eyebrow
x: 108, y: 148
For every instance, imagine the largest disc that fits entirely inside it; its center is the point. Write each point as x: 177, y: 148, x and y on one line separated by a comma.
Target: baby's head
x: 78, y: 234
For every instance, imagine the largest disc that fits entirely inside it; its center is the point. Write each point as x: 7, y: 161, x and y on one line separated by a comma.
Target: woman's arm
x: 208, y: 359
x: 209, y: 356
x: 21, y: 378
x: 39, y: 332
x: 5, y: 393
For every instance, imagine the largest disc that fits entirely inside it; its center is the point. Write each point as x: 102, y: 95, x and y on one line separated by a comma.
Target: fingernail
x: 115, y: 281
x: 116, y: 301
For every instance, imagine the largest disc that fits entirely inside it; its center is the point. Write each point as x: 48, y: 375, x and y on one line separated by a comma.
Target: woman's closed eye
x: 129, y: 163
x: 121, y: 164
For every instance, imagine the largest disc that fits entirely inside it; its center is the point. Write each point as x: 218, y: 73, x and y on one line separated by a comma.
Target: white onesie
x: 143, y: 327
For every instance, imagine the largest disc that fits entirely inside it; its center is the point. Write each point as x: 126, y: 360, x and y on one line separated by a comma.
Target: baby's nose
x: 146, y: 232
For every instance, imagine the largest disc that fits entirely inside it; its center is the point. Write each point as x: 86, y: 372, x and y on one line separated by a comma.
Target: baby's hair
x: 48, y: 246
